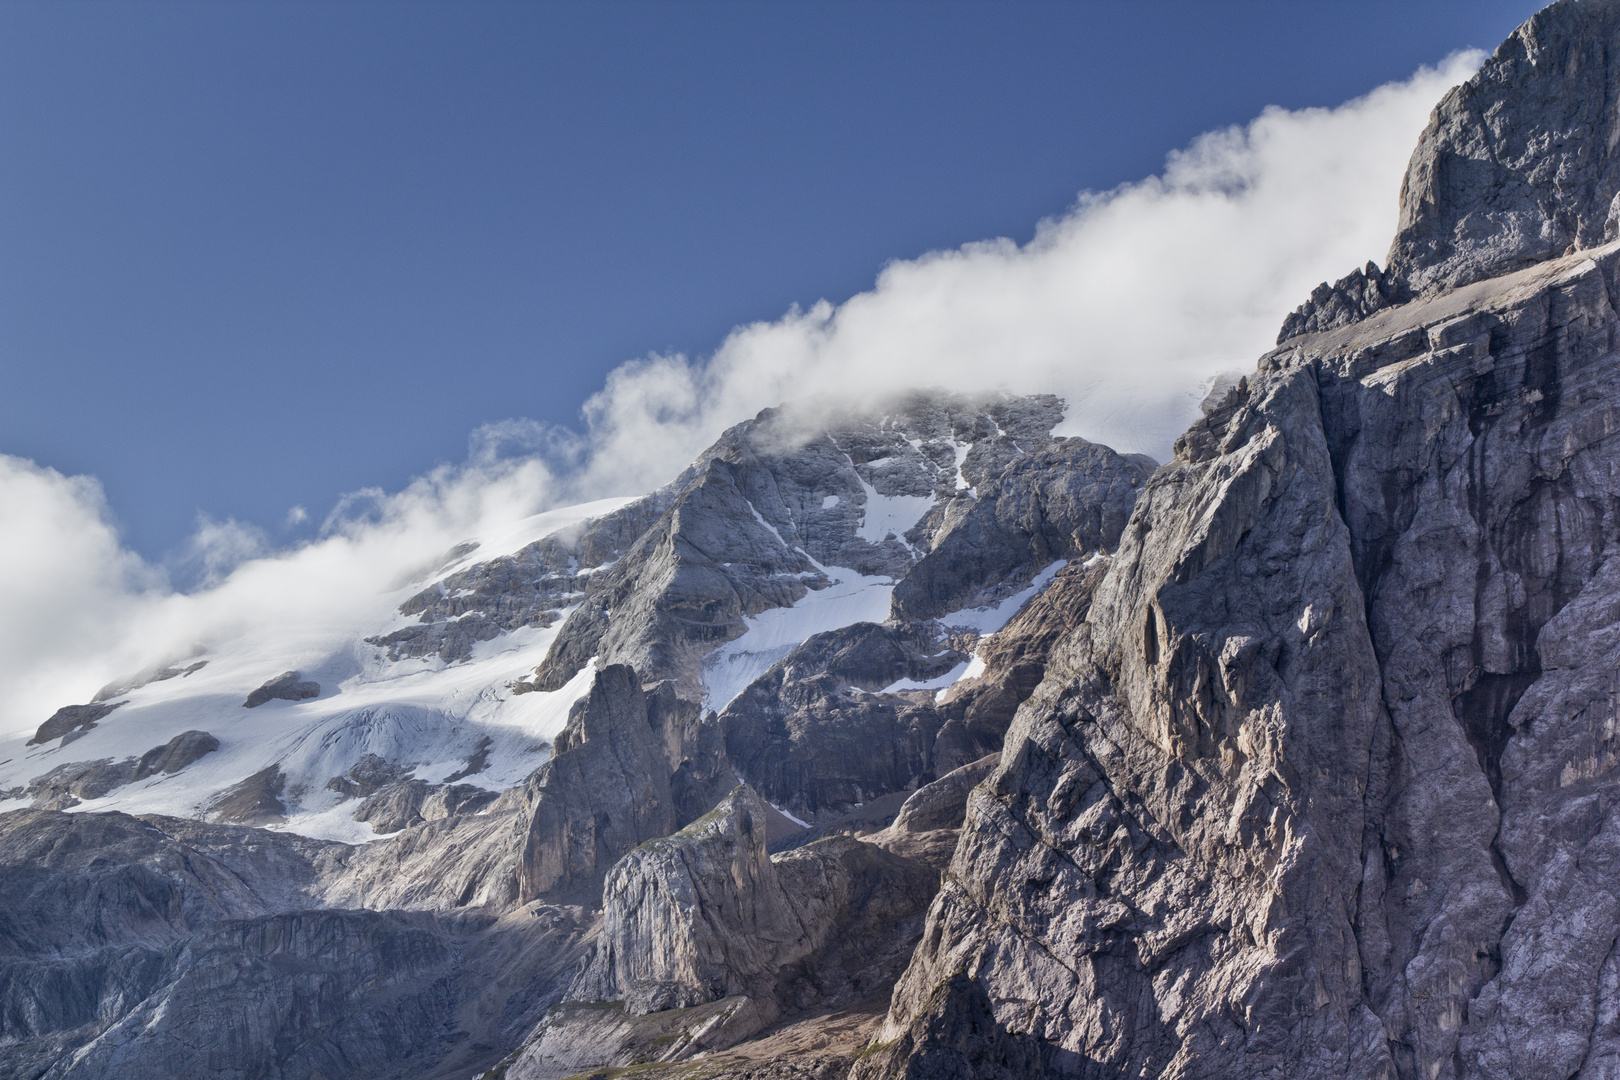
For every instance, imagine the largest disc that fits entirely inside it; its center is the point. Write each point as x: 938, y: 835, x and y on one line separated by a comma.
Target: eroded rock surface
x: 288, y: 686
x: 1322, y: 787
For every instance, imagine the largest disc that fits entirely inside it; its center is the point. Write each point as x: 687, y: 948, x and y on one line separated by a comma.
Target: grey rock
x: 744, y: 523
x: 368, y: 776
x: 943, y: 803
x: 75, y: 781
x: 605, y: 791
x: 167, y: 947
x: 530, y: 587
x: 1518, y: 164
x: 411, y: 802
x: 169, y: 669
x: 1339, y: 718
x: 1063, y: 502
x: 288, y: 686
x: 72, y: 782
x: 71, y: 719
x: 704, y: 924
x: 174, y: 755
x: 814, y: 736
x: 1348, y: 300
x: 255, y: 800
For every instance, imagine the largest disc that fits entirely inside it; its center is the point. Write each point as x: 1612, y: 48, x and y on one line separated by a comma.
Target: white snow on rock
x: 426, y: 716
x: 987, y: 620
x: 771, y: 635
x: 891, y: 515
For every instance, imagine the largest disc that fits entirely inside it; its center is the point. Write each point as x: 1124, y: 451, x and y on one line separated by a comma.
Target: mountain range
x: 909, y: 740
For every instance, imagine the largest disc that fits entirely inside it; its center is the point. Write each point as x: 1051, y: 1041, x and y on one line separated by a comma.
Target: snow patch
x: 891, y: 515
x: 797, y: 821
x: 771, y: 635
x: 987, y: 620
x: 939, y: 682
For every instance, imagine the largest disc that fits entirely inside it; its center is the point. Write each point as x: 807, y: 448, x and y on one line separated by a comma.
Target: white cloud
x: 1123, y: 305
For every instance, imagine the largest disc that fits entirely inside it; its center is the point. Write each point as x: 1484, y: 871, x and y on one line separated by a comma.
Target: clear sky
x: 254, y: 256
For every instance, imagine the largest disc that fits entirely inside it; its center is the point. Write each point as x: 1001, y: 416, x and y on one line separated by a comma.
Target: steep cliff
x: 1325, y: 785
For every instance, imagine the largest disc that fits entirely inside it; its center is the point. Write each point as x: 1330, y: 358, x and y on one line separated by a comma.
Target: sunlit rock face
x: 1325, y: 785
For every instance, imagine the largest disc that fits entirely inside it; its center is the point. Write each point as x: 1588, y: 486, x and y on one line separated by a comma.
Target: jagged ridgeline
x: 911, y: 741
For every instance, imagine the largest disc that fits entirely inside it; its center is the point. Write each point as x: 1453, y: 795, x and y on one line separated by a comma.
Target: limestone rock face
x: 1325, y: 774
x: 72, y: 719
x: 530, y: 587
x: 701, y: 916
x: 1064, y: 502
x: 748, y: 523
x: 167, y: 947
x: 710, y: 939
x: 815, y: 735
x: 288, y: 686
x: 605, y: 790
x: 1518, y: 164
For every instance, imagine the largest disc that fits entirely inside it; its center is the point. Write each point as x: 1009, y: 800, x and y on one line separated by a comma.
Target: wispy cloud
x: 1124, y: 305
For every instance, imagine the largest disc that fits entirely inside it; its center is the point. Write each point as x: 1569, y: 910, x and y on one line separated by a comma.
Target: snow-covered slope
x: 428, y: 717
x: 791, y: 525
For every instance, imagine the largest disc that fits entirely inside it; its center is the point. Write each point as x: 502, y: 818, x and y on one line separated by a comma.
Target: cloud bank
x: 1124, y: 305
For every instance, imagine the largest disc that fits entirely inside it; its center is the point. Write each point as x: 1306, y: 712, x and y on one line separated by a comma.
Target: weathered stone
x: 1064, y: 502
x: 605, y: 791
x: 176, y: 754
x: 255, y: 800
x: 288, y: 686
x: 1518, y: 164
x: 70, y: 719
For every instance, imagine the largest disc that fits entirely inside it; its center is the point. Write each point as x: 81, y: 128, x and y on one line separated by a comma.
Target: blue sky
x: 254, y: 256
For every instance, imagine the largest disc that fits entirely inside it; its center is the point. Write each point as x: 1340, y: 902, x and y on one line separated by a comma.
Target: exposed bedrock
x: 706, y: 939
x: 817, y: 735
x: 1518, y: 164
x: 1064, y: 502
x: 605, y: 790
x: 166, y: 947
x: 288, y: 686
x: 75, y: 781
x: 748, y: 523
x: 1324, y: 786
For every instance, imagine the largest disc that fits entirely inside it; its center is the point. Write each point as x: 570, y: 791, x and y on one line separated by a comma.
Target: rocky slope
x: 1324, y: 787
x: 916, y: 742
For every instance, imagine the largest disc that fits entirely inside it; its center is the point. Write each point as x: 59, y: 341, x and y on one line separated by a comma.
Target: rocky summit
x: 916, y: 741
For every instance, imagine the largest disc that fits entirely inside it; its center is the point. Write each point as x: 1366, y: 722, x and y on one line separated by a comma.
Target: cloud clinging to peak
x: 1125, y: 305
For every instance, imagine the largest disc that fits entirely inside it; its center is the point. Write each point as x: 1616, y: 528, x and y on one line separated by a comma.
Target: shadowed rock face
x: 705, y: 926
x: 1325, y: 785
x: 72, y: 782
x: 165, y: 947
x: 771, y: 499
x: 605, y: 790
x: 288, y: 686
x: 1064, y: 502
x: 70, y: 719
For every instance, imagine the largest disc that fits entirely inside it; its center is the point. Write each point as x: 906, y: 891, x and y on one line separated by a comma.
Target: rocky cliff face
x: 1322, y: 788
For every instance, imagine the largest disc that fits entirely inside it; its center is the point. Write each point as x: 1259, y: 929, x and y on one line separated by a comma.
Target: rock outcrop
x: 1068, y: 501
x: 71, y: 720
x: 605, y: 791
x: 776, y: 497
x: 1323, y: 787
x: 288, y: 686
x: 707, y: 939
x: 1519, y: 164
